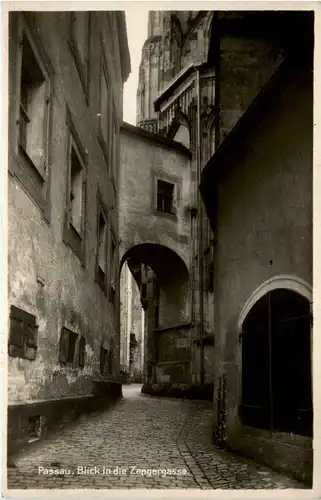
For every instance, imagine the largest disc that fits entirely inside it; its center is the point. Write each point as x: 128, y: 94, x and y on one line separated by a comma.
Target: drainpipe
x: 200, y: 226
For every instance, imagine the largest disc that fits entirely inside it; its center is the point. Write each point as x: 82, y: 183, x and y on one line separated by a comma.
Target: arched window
x: 276, y: 364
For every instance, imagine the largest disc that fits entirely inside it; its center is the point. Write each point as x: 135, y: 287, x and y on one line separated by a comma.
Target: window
x: 106, y: 362
x: 22, y: 334
x: 76, y: 190
x: 35, y: 426
x: 79, y: 44
x: 104, y: 113
x: 32, y: 119
x: 74, y: 227
x: 67, y: 346
x: 104, y: 358
x: 276, y: 364
x: 165, y: 192
x: 33, y: 94
x: 102, y: 241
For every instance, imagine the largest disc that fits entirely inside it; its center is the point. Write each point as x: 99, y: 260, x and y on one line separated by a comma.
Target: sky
x: 136, y: 20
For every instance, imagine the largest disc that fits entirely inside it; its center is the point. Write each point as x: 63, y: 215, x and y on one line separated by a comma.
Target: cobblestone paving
x: 140, y: 433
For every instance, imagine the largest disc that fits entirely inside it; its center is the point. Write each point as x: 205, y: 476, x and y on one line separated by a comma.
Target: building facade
x: 257, y: 190
x: 249, y: 267
x: 66, y: 74
x: 193, y: 64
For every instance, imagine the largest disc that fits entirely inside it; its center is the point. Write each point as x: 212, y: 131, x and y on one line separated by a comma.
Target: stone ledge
x: 56, y: 413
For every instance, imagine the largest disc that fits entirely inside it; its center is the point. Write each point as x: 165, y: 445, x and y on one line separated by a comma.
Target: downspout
x: 200, y: 226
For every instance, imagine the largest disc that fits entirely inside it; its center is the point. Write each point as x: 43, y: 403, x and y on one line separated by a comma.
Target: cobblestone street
x: 140, y: 432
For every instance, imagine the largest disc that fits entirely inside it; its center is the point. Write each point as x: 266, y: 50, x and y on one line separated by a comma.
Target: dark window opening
x: 104, y: 361
x: 34, y: 427
x: 67, y: 346
x: 22, y: 334
x: 71, y: 347
x: 165, y: 193
x: 276, y: 364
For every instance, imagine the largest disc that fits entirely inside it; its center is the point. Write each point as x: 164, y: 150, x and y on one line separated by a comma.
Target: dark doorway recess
x: 276, y: 364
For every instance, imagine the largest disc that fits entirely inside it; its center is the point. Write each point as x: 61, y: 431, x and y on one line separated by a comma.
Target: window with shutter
x: 102, y: 243
x: 22, y: 334
x: 75, y: 209
x: 33, y: 97
x: 63, y: 346
x: 67, y: 346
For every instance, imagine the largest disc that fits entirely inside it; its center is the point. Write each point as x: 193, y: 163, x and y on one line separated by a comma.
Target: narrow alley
x: 160, y: 313
x: 140, y: 435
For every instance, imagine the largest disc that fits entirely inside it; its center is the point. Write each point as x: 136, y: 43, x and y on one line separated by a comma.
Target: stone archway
x: 286, y: 281
x: 162, y: 278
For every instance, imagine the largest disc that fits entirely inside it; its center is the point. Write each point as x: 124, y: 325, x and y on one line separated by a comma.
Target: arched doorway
x: 276, y: 363
x: 161, y: 279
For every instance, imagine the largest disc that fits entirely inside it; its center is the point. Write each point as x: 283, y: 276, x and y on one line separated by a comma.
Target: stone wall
x: 264, y: 231
x: 144, y: 158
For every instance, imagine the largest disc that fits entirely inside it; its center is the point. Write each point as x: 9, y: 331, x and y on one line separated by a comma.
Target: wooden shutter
x: 16, y: 332
x: 63, y: 346
x: 23, y: 334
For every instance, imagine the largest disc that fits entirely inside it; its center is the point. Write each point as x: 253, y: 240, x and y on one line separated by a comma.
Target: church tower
x: 161, y: 56
x: 175, y: 40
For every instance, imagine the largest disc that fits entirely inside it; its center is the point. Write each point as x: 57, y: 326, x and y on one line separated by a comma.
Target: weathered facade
x: 257, y: 190
x: 66, y: 74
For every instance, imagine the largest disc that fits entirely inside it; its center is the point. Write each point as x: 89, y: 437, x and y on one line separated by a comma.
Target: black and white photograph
x: 159, y: 248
